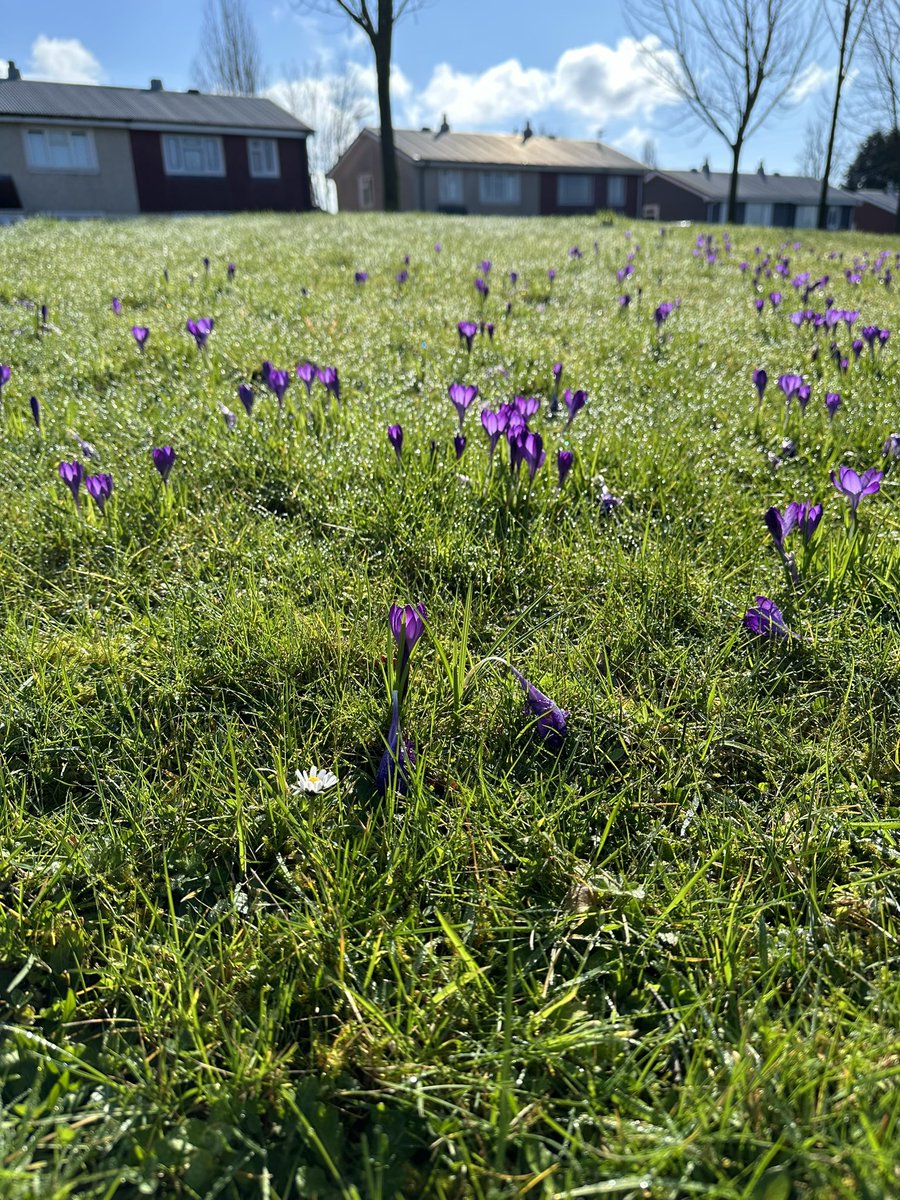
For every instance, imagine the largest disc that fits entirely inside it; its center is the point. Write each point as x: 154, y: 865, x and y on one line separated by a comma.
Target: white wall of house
x: 68, y: 170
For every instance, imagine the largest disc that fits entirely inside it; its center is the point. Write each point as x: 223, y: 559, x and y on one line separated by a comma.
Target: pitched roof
x: 29, y: 98
x: 510, y: 150
x: 879, y: 197
x: 756, y: 188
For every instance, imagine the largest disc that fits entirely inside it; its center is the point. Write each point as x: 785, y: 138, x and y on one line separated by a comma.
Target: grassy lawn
x: 657, y: 960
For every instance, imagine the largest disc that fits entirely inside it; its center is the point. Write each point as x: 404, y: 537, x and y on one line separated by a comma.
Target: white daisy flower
x: 313, y: 781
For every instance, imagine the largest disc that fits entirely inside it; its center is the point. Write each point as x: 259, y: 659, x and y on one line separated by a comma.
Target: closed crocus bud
x: 552, y: 720
x: 246, y: 397
x: 459, y: 445
x: 99, y: 487
x: 395, y: 437
x: 163, y: 459
x: 72, y: 473
x: 35, y: 406
x: 891, y: 448
x: 765, y: 619
x: 140, y: 333
x: 564, y: 460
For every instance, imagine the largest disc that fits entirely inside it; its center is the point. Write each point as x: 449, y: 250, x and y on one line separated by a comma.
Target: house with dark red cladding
x: 76, y: 150
x: 503, y: 174
x: 877, y: 212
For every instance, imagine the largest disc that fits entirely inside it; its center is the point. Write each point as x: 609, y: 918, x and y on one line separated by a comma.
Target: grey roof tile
x: 76, y: 101
x: 508, y: 150
x: 758, y: 189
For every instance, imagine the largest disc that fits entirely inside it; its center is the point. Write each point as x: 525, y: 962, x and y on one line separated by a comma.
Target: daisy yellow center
x: 313, y: 778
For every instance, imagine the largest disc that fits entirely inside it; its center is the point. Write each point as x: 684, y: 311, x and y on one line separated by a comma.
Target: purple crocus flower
x: 766, y: 619
x: 482, y: 288
x: 163, y: 459
x: 857, y: 348
x: 231, y: 270
x: 564, y: 460
x: 246, y: 397
x: 467, y: 331
x: 395, y: 437
x: 760, y: 304
x: 804, y: 391
x: 402, y: 277
x: 206, y: 264
x: 790, y: 385
x: 760, y: 379
x: 624, y: 300
x: 662, y: 314
x: 533, y: 453
x: 407, y: 623
x: 35, y: 406
x: 551, y: 719
x: 774, y: 299
x: 459, y: 445
x: 361, y: 277
x: 140, y: 333
x: 438, y: 247
x: 513, y: 278
x: 328, y: 377
x: 99, y: 488
x: 228, y: 417
x: 5, y: 373
x: 806, y: 517
x: 855, y: 486
x: 462, y: 396
x: 527, y: 406
x: 278, y: 382
x: 397, y: 758
x: 557, y: 370
x: 492, y: 427
x: 780, y: 525
x: 306, y: 373
x: 574, y: 402
x: 72, y: 473
x: 486, y: 266
x: 891, y: 447
x: 551, y: 274
x: 116, y: 305
x: 489, y: 330
x: 200, y: 330
x: 832, y: 403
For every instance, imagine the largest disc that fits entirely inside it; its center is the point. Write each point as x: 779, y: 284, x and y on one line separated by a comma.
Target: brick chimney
x: 12, y: 71
x: 527, y: 132
x: 156, y: 85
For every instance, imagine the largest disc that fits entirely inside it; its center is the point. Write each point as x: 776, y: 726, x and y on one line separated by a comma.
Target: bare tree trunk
x: 735, y: 177
x: 382, y: 47
x: 822, y: 218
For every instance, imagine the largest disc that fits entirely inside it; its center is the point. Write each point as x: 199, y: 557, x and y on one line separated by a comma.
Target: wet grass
x: 661, y: 962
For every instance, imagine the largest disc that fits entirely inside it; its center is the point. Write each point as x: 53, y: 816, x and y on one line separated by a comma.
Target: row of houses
x: 529, y: 175
x: 81, y: 150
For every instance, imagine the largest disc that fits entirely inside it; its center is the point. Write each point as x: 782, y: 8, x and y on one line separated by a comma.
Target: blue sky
x: 572, y: 68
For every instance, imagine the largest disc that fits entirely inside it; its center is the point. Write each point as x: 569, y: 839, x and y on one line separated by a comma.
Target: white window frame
x: 39, y: 154
x: 568, y: 195
x: 175, y: 146
x: 451, y: 188
x: 810, y: 216
x: 619, y: 185
x: 365, y: 188
x: 500, y: 187
x: 267, y: 164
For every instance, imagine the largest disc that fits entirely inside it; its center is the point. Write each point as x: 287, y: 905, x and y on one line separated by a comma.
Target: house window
x: 184, y: 154
x: 651, y: 212
x: 499, y: 187
x: 615, y: 191
x: 366, y: 185
x: 833, y: 217
x: 757, y: 214
x: 263, y: 156
x: 574, y: 191
x: 60, y: 150
x: 806, y: 216
x: 450, y: 187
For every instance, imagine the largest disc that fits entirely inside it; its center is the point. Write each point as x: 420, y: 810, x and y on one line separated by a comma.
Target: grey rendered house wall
x: 364, y: 158
x: 110, y: 189
x: 530, y: 191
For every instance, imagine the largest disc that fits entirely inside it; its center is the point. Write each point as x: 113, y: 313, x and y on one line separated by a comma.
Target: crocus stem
x: 476, y: 667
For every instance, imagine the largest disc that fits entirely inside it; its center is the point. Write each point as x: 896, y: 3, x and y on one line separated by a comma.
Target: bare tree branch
x: 846, y: 33
x: 730, y: 61
x: 229, y: 58
x: 380, y: 33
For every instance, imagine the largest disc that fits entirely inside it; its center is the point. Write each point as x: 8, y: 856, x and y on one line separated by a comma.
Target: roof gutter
x: 155, y: 126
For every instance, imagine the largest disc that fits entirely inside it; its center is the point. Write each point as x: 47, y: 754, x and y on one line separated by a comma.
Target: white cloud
x: 63, y: 60
x: 633, y: 141
x: 808, y: 82
x: 4, y: 67
x: 598, y: 83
